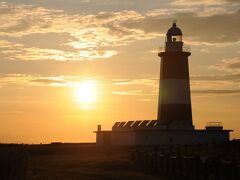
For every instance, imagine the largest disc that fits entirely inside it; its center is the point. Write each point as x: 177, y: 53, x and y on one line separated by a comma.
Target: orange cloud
x: 200, y: 85
x: 231, y: 65
x: 98, y: 36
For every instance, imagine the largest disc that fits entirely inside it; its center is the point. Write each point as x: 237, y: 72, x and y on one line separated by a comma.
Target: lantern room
x: 174, y: 39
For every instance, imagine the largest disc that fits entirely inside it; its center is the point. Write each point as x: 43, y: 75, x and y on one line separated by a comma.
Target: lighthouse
x: 174, y: 104
x: 174, y: 125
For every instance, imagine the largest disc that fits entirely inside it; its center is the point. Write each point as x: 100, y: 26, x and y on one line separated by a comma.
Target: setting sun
x: 86, y: 92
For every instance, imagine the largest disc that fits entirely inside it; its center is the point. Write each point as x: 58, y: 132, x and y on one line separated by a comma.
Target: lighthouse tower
x: 174, y: 107
x: 173, y: 125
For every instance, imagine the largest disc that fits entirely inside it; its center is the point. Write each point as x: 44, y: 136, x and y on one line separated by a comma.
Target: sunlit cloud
x: 237, y: 91
x: 20, y: 52
x: 208, y: 30
x: 229, y: 65
x: 205, y: 8
x: 136, y: 92
x: 201, y: 2
x: 227, y: 84
x: 97, y: 36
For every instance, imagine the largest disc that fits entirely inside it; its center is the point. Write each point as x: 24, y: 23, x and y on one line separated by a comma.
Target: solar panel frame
x: 121, y: 124
x: 128, y: 124
x: 136, y: 124
x: 144, y: 124
x: 152, y: 123
x: 115, y: 125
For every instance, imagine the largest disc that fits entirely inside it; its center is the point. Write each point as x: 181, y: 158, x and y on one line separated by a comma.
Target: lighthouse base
x: 149, y: 136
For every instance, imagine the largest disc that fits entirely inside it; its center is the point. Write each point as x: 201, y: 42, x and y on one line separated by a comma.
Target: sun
x: 86, y: 92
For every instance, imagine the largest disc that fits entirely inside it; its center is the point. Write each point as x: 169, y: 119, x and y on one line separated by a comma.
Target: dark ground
x: 90, y: 162
x: 68, y: 162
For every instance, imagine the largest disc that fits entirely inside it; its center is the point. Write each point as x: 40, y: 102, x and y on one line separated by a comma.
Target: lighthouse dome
x: 174, y: 30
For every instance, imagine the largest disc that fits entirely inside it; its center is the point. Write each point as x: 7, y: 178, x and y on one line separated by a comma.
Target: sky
x: 67, y: 66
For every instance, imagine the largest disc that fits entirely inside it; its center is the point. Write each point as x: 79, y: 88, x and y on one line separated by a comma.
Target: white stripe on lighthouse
x: 175, y: 91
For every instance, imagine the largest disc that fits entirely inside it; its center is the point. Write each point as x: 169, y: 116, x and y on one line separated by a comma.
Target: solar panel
x: 128, y: 124
x: 160, y: 124
x: 144, y: 124
x: 121, y: 124
x: 115, y: 125
x: 136, y: 124
x: 152, y: 123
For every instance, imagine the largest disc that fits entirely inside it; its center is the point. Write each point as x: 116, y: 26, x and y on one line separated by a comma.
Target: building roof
x: 174, y: 30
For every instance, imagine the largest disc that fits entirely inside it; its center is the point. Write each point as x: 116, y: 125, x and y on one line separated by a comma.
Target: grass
x: 82, y: 162
x: 13, y: 163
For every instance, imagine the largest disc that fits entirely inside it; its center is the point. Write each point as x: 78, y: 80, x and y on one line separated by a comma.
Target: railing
x: 184, y: 49
x: 214, y: 124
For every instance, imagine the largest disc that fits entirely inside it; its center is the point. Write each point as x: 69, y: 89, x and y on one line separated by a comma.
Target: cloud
x: 143, y: 81
x: 229, y: 65
x: 94, y: 36
x: 208, y: 7
x: 59, y: 55
x: 99, y: 35
x: 220, y: 28
x: 237, y: 91
x: 24, y: 19
x: 107, y: 30
x: 31, y: 80
x: 13, y: 51
x: 27, y: 19
x: 219, y: 77
x: 202, y: 2
x: 13, y: 79
x: 136, y: 92
x: 47, y: 81
x: 220, y: 83
x: 200, y: 85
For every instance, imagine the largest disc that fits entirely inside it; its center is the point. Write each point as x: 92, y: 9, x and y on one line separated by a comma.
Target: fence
x: 190, y: 162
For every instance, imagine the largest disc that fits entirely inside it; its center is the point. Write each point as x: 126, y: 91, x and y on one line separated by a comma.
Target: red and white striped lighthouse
x: 174, y: 106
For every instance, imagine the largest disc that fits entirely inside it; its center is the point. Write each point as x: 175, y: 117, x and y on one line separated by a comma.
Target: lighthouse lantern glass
x: 174, y: 38
x: 177, y: 38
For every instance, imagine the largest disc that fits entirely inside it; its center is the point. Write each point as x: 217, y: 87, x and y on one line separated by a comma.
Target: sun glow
x: 86, y: 92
